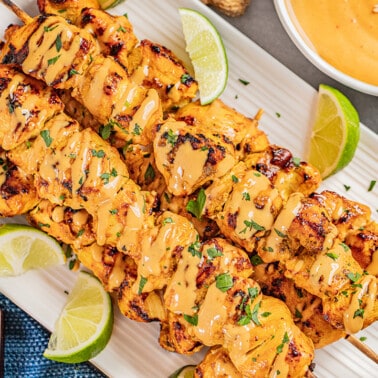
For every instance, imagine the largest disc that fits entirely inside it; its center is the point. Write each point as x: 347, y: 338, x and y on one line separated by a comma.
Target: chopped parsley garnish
x: 347, y: 187
x: 279, y: 233
x: 58, y: 43
x: 285, y: 340
x: 137, y: 130
x: 167, y: 221
x: 195, y: 248
x: 333, y: 256
x: 251, y: 224
x: 171, y: 137
x: 296, y: 161
x: 234, y: 179
x: 121, y: 29
x: 246, y: 196
x: 244, y: 82
x: 278, y: 115
x: 184, y: 78
x: 224, y: 282
x: 191, y: 319
x: 113, y: 211
x: 195, y: 207
x: 53, y: 60
x: 256, y: 260
x: 98, y: 153
x: 142, y: 283
x: 298, y: 314
x: 149, y: 175
x: 45, y: 134
x: 105, y: 177
x: 359, y: 312
x: 354, y: 277
x: 344, y: 246
x: 49, y: 28
x: 106, y: 130
x: 80, y: 233
x: 214, y: 252
x: 372, y: 185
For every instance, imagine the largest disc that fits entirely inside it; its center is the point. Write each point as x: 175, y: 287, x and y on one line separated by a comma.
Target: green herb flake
x: 359, y: 313
x: 80, y: 233
x: 234, y: 179
x: 214, y: 252
x: 279, y: 233
x: 49, y: 28
x: 372, y: 185
x: 184, y: 78
x: 285, y: 340
x: 106, y: 130
x: 346, y: 187
x: 333, y: 256
x: 98, y: 153
x: 137, y: 130
x: 58, y: 43
x: 344, y: 246
x: 195, y: 207
x: 121, y: 29
x: 298, y: 314
x: 224, y: 282
x: 149, y: 175
x: 142, y: 283
x: 296, y: 161
x: 45, y: 134
x: 246, y: 196
x: 255, y: 313
x: 244, y: 82
x: 363, y: 338
x: 354, y: 277
x: 256, y: 260
x: 195, y: 248
x: 193, y: 320
x: 171, y: 137
x: 113, y: 211
x: 278, y: 115
x: 52, y: 61
x: 105, y: 177
x: 266, y: 314
x: 167, y: 221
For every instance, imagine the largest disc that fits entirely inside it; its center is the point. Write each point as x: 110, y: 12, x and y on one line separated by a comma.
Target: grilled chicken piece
x: 221, y: 119
x: 70, y: 59
x: 17, y: 190
x: 155, y: 66
x: 72, y: 227
x: 363, y: 243
x: 244, y: 204
x: 69, y: 9
x: 25, y: 105
x: 217, y: 363
x: 114, y: 33
x: 308, y: 238
x: 284, y: 171
x: 306, y: 309
x: 211, y: 156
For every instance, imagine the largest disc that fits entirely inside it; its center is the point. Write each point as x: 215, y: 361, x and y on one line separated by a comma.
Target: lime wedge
x: 85, y: 325
x: 335, y: 133
x: 207, y: 53
x: 23, y: 248
x: 186, y: 371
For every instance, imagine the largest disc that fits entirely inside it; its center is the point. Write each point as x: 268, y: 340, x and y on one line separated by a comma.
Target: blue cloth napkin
x: 25, y: 341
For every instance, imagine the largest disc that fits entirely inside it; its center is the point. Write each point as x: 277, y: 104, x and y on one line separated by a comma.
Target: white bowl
x: 292, y: 27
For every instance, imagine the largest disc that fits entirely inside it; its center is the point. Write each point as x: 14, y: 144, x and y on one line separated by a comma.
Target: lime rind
x: 186, y: 371
x: 23, y: 248
x: 212, y: 80
x: 88, y: 334
x: 339, y: 117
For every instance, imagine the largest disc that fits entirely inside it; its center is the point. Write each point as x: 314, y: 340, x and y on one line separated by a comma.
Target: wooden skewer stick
x: 23, y: 16
x: 362, y: 347
x: 26, y: 19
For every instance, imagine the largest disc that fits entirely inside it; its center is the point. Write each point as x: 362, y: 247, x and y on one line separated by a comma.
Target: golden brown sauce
x: 210, y: 317
x: 282, y: 223
x: 344, y: 33
x: 373, y: 266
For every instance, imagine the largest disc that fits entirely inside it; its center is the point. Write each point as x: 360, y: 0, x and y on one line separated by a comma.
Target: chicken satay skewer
x: 23, y: 16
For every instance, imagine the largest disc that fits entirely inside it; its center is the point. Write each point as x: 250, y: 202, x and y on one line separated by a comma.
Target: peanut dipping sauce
x: 344, y: 33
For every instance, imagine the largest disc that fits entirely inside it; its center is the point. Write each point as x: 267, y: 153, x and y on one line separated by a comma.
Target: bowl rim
x: 291, y: 25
